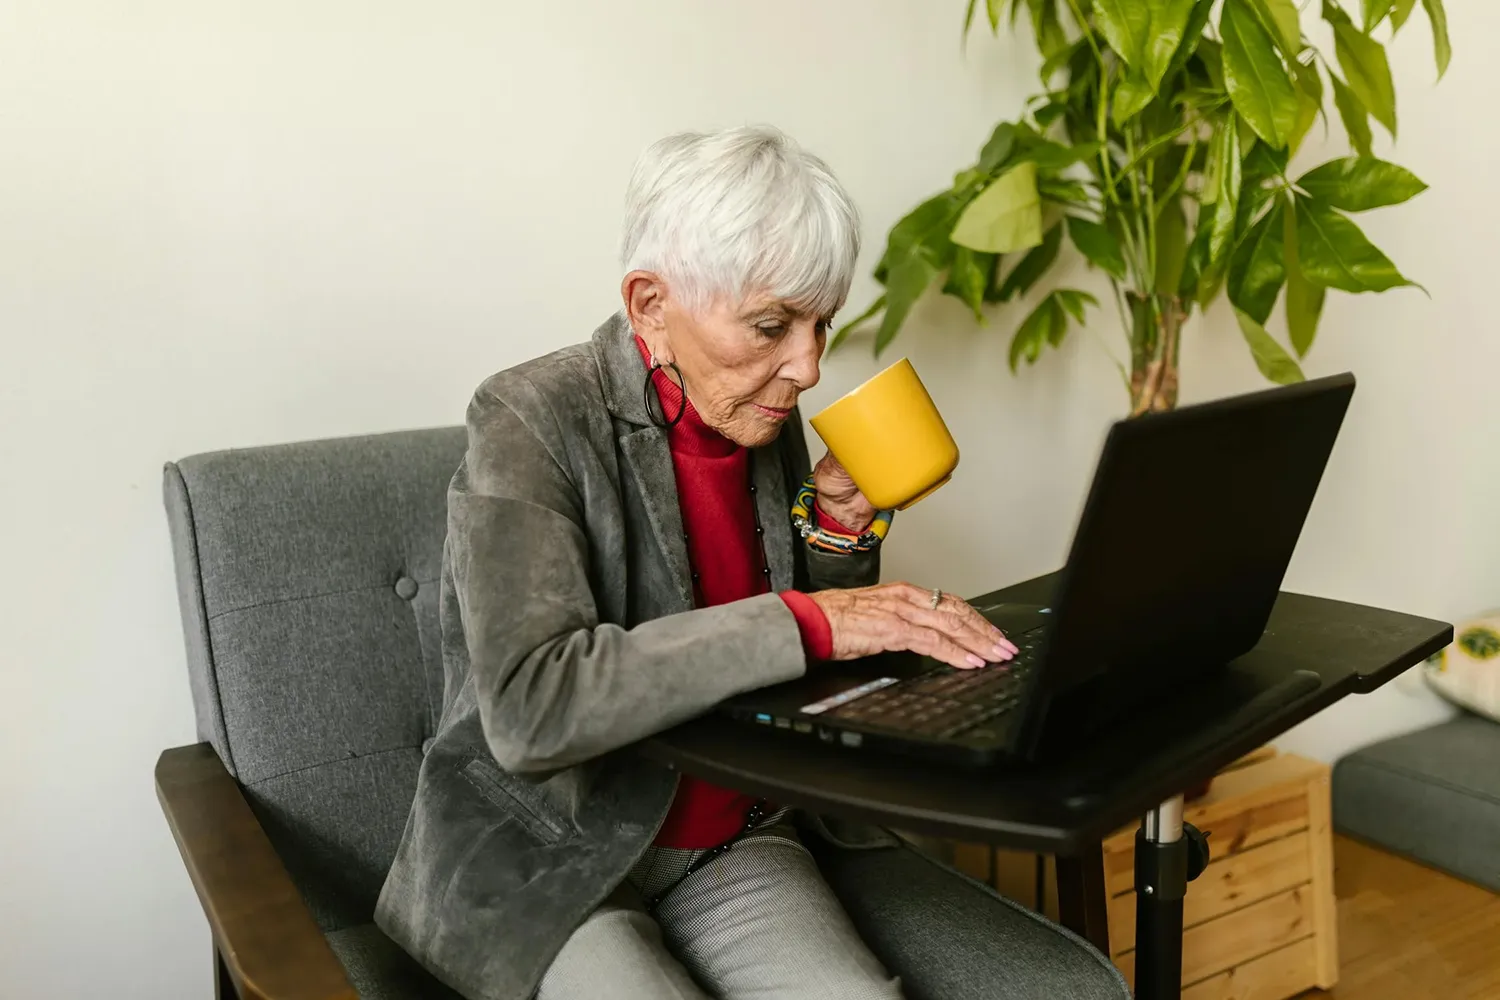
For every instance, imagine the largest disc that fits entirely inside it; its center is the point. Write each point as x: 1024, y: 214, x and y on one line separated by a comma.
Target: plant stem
x: 1125, y: 325
x: 1151, y: 221
x: 1102, y: 113
x: 1143, y: 250
x: 1180, y: 180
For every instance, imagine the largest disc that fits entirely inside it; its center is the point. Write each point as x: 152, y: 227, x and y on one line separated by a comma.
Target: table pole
x: 1161, y: 878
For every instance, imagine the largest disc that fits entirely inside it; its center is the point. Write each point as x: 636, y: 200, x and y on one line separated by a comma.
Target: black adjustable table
x: 1314, y: 652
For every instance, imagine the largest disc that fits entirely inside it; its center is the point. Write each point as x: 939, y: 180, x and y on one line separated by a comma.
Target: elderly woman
x: 620, y: 559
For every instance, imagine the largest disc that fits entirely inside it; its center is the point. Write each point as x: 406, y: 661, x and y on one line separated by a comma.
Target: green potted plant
x: 1159, y: 148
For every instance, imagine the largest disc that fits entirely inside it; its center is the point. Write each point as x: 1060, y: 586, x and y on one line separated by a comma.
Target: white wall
x: 231, y: 224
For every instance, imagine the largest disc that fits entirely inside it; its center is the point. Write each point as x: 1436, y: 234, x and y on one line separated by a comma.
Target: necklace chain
x: 760, y: 531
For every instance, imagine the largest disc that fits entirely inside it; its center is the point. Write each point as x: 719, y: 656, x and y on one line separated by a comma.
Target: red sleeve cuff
x: 829, y: 524
x: 817, y: 634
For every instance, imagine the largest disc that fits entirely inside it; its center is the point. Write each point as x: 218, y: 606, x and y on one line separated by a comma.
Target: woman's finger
x: 958, y: 629
x: 927, y: 642
x: 979, y: 621
x: 922, y: 598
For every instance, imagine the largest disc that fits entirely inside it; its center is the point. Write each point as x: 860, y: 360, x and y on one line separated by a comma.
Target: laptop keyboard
x: 945, y: 702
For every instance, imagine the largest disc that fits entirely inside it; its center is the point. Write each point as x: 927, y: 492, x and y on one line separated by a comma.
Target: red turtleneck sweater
x: 724, y: 552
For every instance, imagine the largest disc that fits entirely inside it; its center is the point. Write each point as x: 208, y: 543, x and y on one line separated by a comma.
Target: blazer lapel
x: 774, y: 505
x: 649, y: 460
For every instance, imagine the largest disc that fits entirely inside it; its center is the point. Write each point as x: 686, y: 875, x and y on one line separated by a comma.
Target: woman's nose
x: 802, y: 366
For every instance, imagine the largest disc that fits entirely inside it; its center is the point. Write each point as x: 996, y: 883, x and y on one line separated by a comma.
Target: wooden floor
x: 1410, y: 933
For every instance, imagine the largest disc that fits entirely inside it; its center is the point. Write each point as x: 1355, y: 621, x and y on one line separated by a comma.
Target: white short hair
x: 737, y: 212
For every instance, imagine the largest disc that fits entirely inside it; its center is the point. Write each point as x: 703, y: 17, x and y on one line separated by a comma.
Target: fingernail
x: 1001, y: 653
x: 975, y: 661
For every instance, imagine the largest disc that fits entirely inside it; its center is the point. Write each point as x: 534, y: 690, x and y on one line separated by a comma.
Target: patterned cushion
x: 1467, y: 673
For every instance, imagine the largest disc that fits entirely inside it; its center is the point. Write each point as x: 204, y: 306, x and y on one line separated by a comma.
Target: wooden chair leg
x: 224, y: 988
x: 1082, y: 904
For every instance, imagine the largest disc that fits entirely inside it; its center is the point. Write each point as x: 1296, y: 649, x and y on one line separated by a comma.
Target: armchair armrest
x: 266, y: 938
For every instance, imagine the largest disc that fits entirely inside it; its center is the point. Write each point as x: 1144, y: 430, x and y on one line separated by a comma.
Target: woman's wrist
x: 812, y: 625
x: 851, y: 519
x: 822, y: 531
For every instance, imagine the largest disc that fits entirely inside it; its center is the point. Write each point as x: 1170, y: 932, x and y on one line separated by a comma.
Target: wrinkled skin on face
x: 744, y: 365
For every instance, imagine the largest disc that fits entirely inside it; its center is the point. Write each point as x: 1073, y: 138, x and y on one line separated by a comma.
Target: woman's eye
x: 772, y: 329
x: 824, y: 325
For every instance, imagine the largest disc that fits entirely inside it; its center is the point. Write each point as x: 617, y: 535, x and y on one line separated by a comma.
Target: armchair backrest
x: 308, y: 581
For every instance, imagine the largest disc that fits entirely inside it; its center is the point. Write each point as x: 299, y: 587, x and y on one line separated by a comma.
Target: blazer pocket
x: 529, y: 810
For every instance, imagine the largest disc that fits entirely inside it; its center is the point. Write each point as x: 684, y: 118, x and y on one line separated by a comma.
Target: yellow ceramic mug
x: 891, y: 438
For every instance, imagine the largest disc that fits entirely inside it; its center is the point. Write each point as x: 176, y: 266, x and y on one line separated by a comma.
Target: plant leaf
x: 1060, y: 59
x: 1258, y: 269
x: 1211, y: 56
x: 1133, y: 94
x: 1263, y: 162
x: 1272, y: 360
x: 1031, y: 267
x: 1063, y: 191
x: 854, y: 324
x: 994, y: 8
x: 1049, y: 113
x: 1192, y: 35
x: 1171, y: 247
x: 1050, y: 37
x: 908, y: 280
x: 1098, y: 244
x: 1304, y: 300
x: 1001, y: 143
x: 1354, y: 116
x: 1007, y: 215
x: 1253, y: 197
x: 1257, y: 82
x: 1169, y: 21
x: 1360, y: 183
x: 1442, y: 49
x: 1281, y: 19
x: 1196, y: 258
x: 1365, y: 67
x: 1125, y: 25
x: 967, y: 276
x: 924, y: 228
x: 1226, y: 209
x: 1073, y: 300
x: 1145, y: 33
x: 1374, y: 12
x: 969, y: 18
x: 1052, y: 157
x: 1046, y: 325
x: 1400, y: 11
x: 1334, y: 252
x: 1309, y: 103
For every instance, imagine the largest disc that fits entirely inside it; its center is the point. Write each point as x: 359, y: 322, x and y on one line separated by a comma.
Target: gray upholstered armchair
x: 307, y: 575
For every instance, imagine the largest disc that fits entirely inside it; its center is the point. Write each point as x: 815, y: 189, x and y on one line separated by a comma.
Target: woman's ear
x: 645, y: 295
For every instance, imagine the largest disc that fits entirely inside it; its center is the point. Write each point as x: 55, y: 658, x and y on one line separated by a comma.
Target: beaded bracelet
x: 821, y: 538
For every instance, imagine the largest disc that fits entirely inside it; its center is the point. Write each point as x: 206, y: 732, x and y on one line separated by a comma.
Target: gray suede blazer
x: 569, y: 634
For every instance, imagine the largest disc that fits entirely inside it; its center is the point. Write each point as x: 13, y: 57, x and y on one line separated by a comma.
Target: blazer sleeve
x: 555, y: 685
x: 825, y: 570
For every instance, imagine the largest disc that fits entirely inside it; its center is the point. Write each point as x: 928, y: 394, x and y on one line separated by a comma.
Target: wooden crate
x: 1259, y: 923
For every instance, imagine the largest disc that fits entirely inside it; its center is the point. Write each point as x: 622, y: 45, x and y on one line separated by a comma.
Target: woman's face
x: 744, y: 364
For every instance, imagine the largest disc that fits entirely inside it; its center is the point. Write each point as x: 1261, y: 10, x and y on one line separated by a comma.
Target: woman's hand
x: 839, y: 498
x: 892, y: 617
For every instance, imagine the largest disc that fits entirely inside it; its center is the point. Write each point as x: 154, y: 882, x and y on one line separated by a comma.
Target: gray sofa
x: 307, y: 577
x: 1432, y: 795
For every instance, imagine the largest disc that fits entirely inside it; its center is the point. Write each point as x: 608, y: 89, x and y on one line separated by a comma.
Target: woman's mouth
x: 774, y: 412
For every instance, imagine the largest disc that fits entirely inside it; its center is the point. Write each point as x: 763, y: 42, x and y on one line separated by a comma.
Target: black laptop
x: 1175, y: 566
